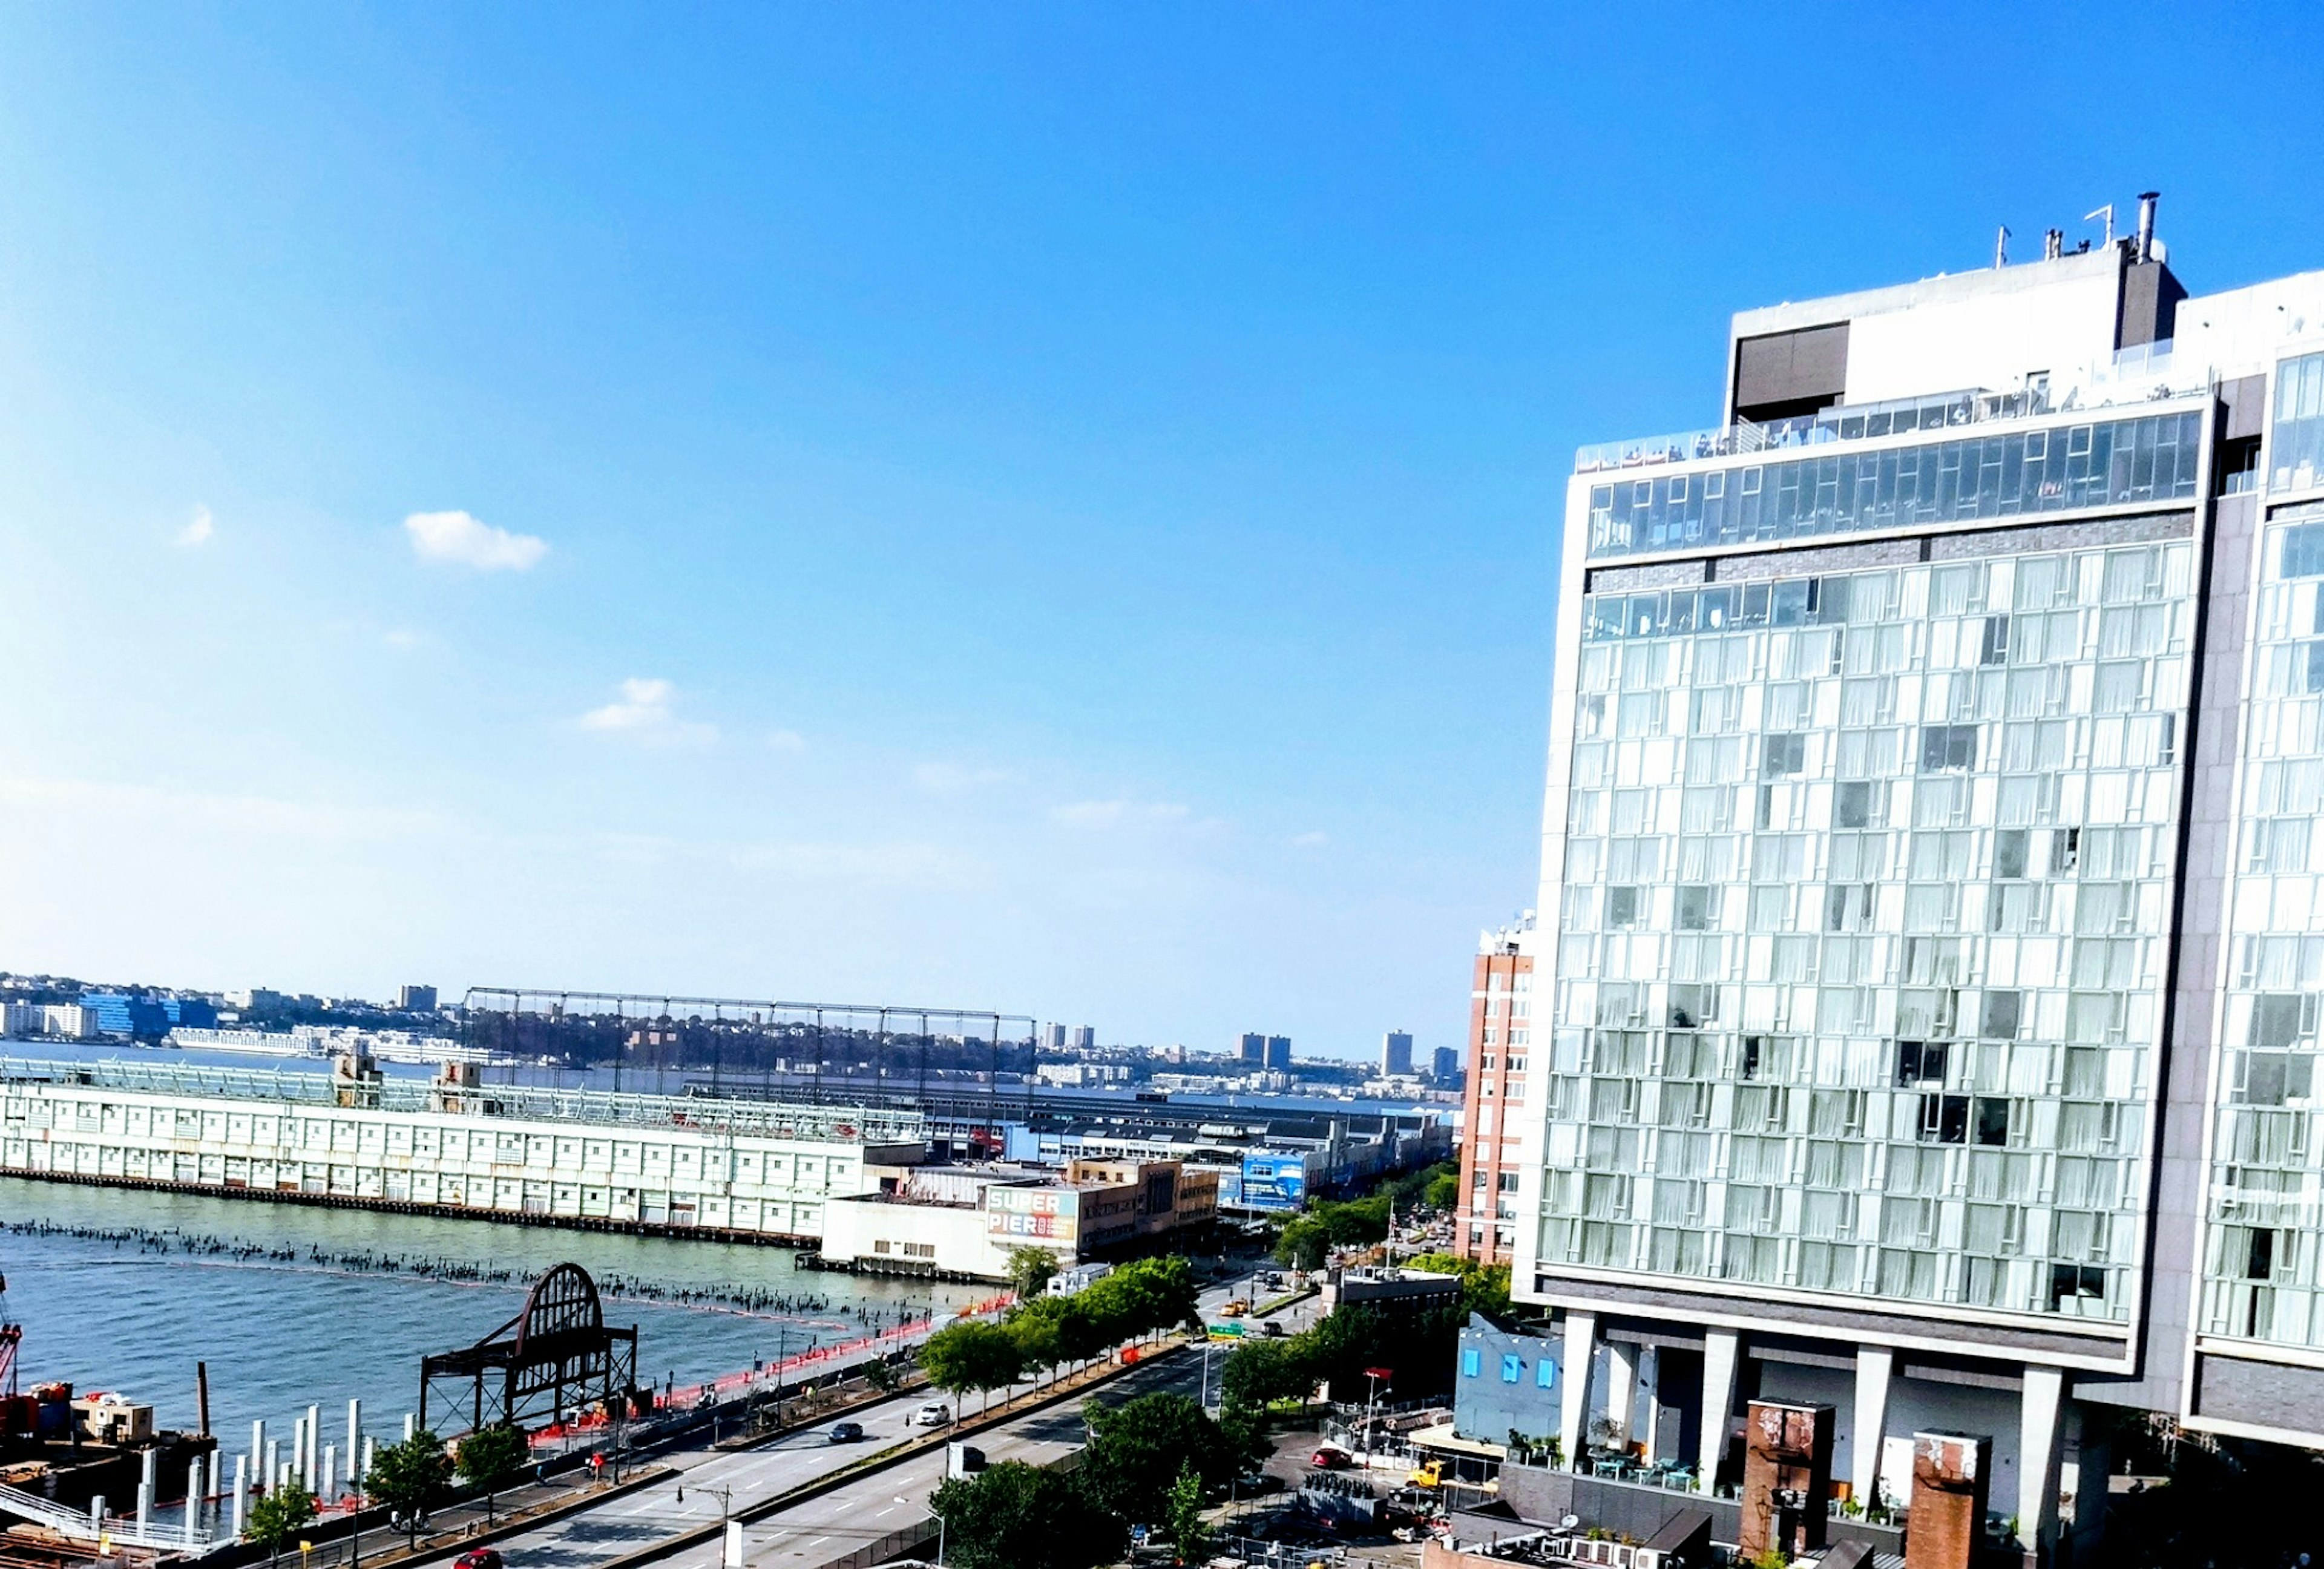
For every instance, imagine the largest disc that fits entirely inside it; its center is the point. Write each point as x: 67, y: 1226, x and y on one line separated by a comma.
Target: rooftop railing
x: 2145, y: 374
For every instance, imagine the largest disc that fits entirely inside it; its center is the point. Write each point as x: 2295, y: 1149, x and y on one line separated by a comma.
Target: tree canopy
x: 1484, y: 1288
x: 409, y: 1476
x: 280, y: 1514
x: 490, y: 1456
x: 1030, y: 1270
x: 1014, y: 1516
x: 1137, y: 1449
x: 973, y: 1354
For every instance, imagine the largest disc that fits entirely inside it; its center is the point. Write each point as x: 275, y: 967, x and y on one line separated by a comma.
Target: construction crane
x: 12, y: 1334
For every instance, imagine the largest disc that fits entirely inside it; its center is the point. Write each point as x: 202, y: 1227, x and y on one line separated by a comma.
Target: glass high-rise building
x: 1928, y: 974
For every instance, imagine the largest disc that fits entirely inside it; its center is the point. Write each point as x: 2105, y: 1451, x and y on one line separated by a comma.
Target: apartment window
x: 1852, y: 804
x: 1545, y: 1373
x: 2009, y: 852
x: 1621, y: 909
x: 1994, y: 651
x: 1920, y: 1062
x: 1509, y: 1182
x: 2001, y: 1015
x: 1511, y: 1366
x: 1472, y: 1360
x: 1944, y: 1119
x: 1784, y: 756
x: 1947, y: 748
x: 1694, y: 909
x: 1992, y: 1120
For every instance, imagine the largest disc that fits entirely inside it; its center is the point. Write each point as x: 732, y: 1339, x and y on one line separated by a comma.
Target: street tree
x: 1030, y: 1270
x: 409, y: 1476
x: 1136, y: 1450
x: 972, y: 1355
x: 490, y: 1457
x: 280, y: 1515
x: 1014, y: 1516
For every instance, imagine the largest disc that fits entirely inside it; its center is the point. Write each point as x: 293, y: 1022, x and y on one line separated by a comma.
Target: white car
x: 934, y: 1414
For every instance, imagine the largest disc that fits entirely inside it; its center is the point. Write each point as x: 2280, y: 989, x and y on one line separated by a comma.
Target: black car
x: 847, y: 1431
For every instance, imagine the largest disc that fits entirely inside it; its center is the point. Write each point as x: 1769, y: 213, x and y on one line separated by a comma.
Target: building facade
x: 1493, y: 1098
x: 1930, y: 944
x: 1395, y: 1054
x: 578, y: 1157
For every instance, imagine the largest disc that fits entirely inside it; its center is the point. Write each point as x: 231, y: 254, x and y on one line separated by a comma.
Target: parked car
x: 479, y: 1558
x: 1330, y: 1457
x: 1269, y: 1329
x: 934, y: 1414
x: 847, y: 1431
x: 1255, y: 1483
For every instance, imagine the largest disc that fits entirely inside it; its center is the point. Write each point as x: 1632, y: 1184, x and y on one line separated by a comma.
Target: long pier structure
x: 754, y: 1169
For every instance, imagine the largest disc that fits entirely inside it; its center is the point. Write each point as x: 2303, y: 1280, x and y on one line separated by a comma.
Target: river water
x: 125, y: 1290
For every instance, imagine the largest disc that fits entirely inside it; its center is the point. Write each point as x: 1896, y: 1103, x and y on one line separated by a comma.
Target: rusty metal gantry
x: 558, y: 1346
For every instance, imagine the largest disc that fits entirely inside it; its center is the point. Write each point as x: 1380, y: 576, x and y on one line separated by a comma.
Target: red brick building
x: 1500, y: 1029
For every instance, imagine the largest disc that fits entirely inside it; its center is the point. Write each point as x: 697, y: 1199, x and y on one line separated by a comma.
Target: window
x: 1920, y: 1062
x: 1945, y: 748
x: 1996, y: 648
x: 2009, y: 852
x: 1511, y: 1366
x: 2065, y: 851
x: 1477, y: 1178
x: 1784, y: 756
x: 1852, y: 805
x: 1545, y: 1373
x: 1621, y: 909
x: 1992, y: 1120
x: 1509, y: 1182
x: 1944, y: 1119
x: 1694, y: 906
x: 1470, y: 1361
x: 2001, y: 1013
x: 2071, y: 1282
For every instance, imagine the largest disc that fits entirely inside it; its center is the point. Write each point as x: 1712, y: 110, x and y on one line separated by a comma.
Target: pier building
x: 744, y: 1168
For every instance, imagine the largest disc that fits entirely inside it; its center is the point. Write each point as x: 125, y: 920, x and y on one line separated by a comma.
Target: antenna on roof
x: 2106, y: 212
x: 2146, y: 200
x: 2001, y: 248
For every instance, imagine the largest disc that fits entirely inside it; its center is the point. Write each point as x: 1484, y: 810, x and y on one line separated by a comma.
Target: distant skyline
x: 1053, y: 512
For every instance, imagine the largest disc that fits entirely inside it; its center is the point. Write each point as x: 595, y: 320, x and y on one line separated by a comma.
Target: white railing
x: 78, y: 1525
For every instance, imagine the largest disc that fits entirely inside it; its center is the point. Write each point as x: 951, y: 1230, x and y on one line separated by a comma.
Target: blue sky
x: 1034, y: 508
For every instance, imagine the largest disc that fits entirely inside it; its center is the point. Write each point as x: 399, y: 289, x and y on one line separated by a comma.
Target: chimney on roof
x: 2146, y: 200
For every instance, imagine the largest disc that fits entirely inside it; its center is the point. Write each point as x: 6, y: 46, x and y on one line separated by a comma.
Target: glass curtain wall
x: 1863, y: 932
x: 2261, y: 1255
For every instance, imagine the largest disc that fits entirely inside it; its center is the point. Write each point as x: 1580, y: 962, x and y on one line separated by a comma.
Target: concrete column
x: 2038, y: 1453
x: 149, y: 1479
x: 144, y: 1504
x: 410, y: 1425
x: 355, y: 1443
x: 1650, y: 1379
x: 1722, y: 1352
x: 241, y: 1492
x: 313, y: 1479
x: 258, y: 1443
x: 274, y: 1465
x: 1621, y: 1387
x: 330, y: 1471
x: 1574, y: 1403
x: 1874, y: 1366
x: 193, y: 1499
x: 97, y: 1511
x: 370, y: 1452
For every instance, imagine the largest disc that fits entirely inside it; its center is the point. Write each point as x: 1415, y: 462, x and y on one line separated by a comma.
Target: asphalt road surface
x: 821, y: 1529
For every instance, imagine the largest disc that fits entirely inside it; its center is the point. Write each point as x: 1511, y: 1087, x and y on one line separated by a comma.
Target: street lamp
x: 940, y: 1532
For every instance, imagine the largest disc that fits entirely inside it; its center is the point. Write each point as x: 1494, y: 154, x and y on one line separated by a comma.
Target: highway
x: 834, y: 1525
x: 814, y: 1532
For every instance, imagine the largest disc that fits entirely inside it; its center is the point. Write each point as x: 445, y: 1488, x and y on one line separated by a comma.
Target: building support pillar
x: 2038, y: 1455
x: 1650, y: 1379
x: 1574, y: 1403
x: 1621, y: 1388
x: 1875, y: 1367
x: 1722, y: 1352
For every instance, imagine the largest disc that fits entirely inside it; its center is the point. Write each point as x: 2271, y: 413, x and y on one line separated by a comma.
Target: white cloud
x: 946, y: 778
x: 1312, y: 838
x: 402, y: 638
x: 644, y: 710
x: 1112, y: 814
x: 198, y: 531
x: 786, y: 740
x: 462, y: 540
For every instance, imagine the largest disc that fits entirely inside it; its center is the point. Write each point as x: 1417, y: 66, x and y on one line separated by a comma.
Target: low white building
x: 585, y: 1157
